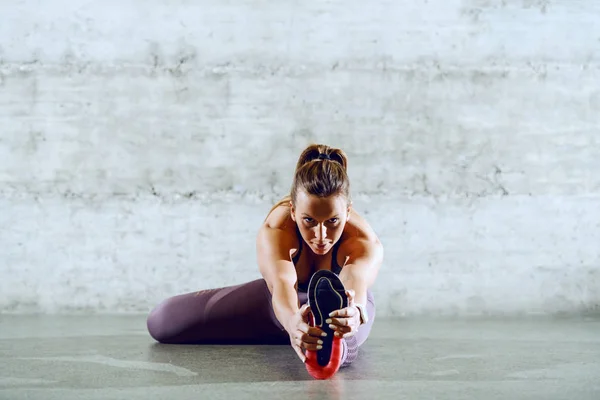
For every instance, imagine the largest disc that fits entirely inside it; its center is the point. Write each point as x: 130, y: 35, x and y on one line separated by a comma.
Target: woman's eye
x: 333, y: 220
x: 308, y: 220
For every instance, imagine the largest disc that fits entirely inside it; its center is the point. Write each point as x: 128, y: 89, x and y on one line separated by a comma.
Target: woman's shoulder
x: 279, y: 217
x: 279, y: 230
x: 357, y: 233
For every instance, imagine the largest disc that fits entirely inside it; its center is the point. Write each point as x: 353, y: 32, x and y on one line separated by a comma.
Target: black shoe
x: 326, y: 293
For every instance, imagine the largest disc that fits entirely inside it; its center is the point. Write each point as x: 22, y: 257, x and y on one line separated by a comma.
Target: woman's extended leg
x: 352, y: 343
x: 240, y: 314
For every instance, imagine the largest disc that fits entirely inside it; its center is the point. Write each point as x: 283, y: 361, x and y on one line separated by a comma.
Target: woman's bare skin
x: 324, y: 221
x: 309, y: 262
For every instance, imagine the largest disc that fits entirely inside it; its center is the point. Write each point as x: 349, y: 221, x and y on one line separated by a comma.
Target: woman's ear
x: 292, y: 212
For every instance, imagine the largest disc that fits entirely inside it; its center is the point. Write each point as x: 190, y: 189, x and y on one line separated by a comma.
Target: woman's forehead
x: 316, y: 206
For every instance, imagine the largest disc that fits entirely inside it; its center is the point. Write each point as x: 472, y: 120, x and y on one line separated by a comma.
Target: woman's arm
x: 362, y: 266
x: 273, y: 253
x: 358, y: 274
x: 273, y: 250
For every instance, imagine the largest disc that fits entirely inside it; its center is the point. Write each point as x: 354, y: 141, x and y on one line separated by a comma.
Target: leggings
x: 240, y: 314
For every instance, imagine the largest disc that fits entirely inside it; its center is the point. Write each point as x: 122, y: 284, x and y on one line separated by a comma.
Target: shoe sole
x: 326, y: 293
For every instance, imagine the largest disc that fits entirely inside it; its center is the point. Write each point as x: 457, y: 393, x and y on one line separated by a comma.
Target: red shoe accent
x: 319, y: 372
x: 324, y: 372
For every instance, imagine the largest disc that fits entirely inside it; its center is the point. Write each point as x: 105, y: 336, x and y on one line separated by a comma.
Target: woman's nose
x: 321, y: 232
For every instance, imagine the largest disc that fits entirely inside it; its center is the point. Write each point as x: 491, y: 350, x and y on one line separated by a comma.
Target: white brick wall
x: 141, y: 145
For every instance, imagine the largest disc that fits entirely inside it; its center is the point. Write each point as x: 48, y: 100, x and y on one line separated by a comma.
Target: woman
x: 312, y: 230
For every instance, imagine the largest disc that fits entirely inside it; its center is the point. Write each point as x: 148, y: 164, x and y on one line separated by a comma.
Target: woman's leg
x: 240, y: 314
x: 352, y: 343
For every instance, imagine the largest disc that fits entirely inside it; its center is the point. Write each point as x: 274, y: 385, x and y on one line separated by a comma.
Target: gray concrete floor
x: 106, y: 357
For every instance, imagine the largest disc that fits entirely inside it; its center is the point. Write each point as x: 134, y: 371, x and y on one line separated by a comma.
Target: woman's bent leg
x: 240, y: 314
x: 352, y: 343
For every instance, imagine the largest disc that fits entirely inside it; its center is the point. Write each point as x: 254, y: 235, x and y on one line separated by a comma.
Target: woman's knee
x: 364, y: 330
x: 159, y: 322
x: 371, y: 309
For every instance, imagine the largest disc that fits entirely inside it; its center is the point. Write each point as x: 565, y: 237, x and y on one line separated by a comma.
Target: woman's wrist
x: 363, y: 316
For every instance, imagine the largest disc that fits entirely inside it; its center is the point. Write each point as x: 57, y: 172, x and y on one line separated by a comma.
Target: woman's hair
x: 320, y: 171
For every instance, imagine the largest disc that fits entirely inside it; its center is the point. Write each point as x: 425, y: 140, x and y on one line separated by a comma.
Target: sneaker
x: 326, y: 293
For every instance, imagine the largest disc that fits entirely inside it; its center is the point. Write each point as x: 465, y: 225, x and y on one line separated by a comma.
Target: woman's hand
x: 302, y: 335
x: 345, y: 322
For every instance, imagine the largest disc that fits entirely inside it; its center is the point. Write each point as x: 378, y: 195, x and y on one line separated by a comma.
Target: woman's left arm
x: 362, y: 267
x: 357, y: 275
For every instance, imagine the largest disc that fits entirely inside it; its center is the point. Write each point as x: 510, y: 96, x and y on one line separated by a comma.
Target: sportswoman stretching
x: 318, y: 259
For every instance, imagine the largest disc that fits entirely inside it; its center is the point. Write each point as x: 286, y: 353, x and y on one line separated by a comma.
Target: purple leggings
x: 240, y: 314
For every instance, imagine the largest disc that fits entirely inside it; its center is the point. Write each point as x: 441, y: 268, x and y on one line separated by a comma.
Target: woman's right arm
x: 273, y: 252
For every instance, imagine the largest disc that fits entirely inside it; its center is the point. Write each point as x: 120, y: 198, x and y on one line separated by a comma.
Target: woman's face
x: 321, y: 221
